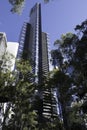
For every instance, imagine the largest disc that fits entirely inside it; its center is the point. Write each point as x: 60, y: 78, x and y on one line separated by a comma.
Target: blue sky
x: 58, y: 17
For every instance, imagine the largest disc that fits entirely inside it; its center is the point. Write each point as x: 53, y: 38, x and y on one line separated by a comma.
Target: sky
x: 58, y: 17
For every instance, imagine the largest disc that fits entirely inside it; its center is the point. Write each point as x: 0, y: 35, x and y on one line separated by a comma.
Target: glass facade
x: 36, y: 43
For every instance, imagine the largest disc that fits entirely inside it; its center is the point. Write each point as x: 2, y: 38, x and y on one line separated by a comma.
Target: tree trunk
x: 64, y: 114
x: 6, y: 115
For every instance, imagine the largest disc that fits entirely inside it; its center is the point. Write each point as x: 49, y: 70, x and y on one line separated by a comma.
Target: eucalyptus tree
x: 17, y: 92
x: 70, y: 59
x: 81, y: 53
x: 81, y: 64
x: 18, y: 5
x: 63, y: 78
x: 64, y: 54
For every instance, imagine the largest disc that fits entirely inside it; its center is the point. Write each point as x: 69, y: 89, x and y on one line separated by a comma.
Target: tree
x: 70, y: 60
x: 64, y: 76
x: 63, y: 84
x: 17, y: 88
x: 18, y: 5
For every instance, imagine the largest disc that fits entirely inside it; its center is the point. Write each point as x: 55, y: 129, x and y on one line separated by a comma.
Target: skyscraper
x: 34, y: 45
x: 31, y: 40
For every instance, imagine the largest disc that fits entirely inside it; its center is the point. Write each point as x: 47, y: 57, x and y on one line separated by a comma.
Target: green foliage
x: 6, y: 78
x: 82, y: 28
x: 18, y: 92
x: 18, y: 6
x: 70, y: 77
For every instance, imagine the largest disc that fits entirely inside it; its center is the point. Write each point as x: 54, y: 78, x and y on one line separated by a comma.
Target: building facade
x: 34, y: 45
x: 3, y: 44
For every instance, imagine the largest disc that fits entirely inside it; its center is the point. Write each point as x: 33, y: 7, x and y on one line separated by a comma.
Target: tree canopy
x: 18, y: 5
x: 69, y: 60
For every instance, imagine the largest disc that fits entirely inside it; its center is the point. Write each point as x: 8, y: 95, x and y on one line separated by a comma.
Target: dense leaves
x: 17, y: 6
x: 17, y: 93
x: 70, y: 77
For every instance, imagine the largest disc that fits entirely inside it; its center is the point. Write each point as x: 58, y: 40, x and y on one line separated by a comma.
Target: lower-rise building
x: 3, y: 44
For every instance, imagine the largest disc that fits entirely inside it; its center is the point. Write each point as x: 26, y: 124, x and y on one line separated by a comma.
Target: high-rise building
x: 31, y: 41
x: 3, y: 44
x: 34, y: 45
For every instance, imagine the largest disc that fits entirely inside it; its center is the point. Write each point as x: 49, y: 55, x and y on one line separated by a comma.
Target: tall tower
x: 36, y: 39
x: 34, y: 46
x: 31, y: 39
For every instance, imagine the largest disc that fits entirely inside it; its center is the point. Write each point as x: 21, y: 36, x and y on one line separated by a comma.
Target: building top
x: 3, y: 35
x: 34, y: 8
x: 3, y: 44
x: 12, y: 48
